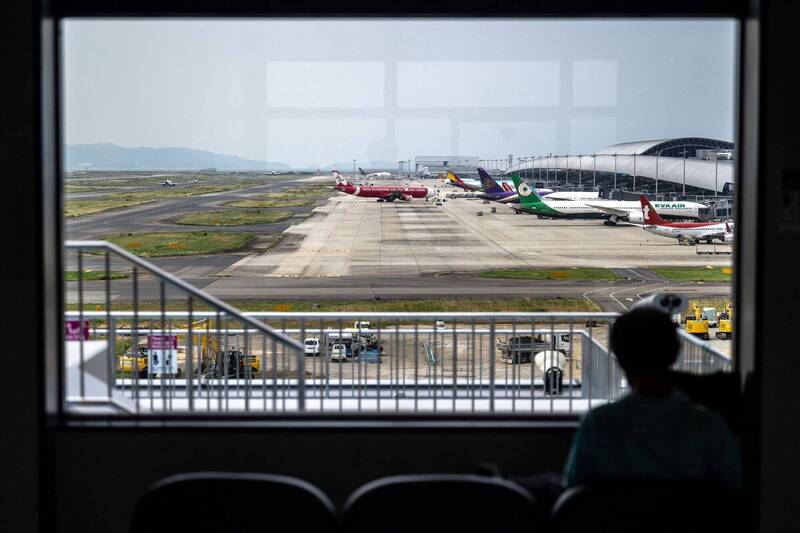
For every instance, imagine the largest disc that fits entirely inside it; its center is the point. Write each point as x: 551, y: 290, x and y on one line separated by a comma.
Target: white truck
x: 312, y: 346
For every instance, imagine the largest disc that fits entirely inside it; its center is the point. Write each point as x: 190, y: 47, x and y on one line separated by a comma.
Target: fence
x: 184, y: 352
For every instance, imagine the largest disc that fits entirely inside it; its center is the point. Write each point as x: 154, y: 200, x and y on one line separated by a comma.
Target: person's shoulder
x: 609, y: 411
x: 703, y: 417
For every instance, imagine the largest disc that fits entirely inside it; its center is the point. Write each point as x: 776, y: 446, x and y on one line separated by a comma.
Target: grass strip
x: 551, y: 274
x: 234, y: 218
x: 437, y: 305
x: 695, y: 273
x: 94, y: 275
x: 90, y: 206
x: 270, y: 203
x: 162, y: 244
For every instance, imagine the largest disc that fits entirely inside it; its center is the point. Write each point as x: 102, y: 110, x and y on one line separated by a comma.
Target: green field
x: 552, y: 274
x: 693, y: 273
x: 234, y: 218
x: 94, y: 275
x: 91, y: 206
x: 270, y: 203
x: 180, y: 243
x: 438, y: 305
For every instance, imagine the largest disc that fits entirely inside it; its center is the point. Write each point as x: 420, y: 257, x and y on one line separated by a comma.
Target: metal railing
x: 222, y: 361
x: 140, y: 348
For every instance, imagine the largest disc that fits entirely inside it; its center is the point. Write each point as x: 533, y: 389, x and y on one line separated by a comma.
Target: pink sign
x: 162, y: 342
x: 74, y: 332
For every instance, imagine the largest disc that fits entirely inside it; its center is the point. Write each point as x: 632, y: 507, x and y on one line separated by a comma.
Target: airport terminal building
x: 679, y: 166
x: 436, y: 164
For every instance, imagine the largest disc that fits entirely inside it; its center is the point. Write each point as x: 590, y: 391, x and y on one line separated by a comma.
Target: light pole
x: 684, y: 170
x: 716, y: 172
x: 580, y: 171
x: 657, y: 156
x: 540, y: 167
x: 615, y: 172
x: 409, y: 169
x: 594, y: 171
x: 547, y: 171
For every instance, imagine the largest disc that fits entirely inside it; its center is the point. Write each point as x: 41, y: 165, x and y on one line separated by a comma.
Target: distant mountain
x: 108, y: 156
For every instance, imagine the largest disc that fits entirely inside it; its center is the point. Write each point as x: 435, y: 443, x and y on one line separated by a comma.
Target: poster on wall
x: 162, y: 354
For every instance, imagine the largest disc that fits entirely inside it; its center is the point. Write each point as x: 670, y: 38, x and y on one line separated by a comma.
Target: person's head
x: 645, y: 343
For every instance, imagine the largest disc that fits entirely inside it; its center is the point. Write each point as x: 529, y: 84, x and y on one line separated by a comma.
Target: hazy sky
x: 313, y: 92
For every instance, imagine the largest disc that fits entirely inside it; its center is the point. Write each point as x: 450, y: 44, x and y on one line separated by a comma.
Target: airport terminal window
x: 373, y: 215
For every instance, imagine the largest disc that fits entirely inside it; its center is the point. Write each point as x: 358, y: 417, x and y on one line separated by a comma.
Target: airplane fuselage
x: 694, y: 232
x: 384, y: 192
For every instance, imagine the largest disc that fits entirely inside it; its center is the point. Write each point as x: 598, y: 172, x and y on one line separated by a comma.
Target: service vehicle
x: 311, y: 346
x: 134, y: 362
x: 726, y: 323
x: 696, y: 324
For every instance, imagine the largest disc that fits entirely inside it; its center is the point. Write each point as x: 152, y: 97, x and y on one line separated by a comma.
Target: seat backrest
x: 646, y: 506
x: 223, y: 502
x: 441, y: 502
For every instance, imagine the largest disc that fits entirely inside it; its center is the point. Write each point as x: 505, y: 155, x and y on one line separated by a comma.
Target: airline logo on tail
x: 340, y: 180
x: 649, y: 214
x: 524, y: 189
x: 455, y: 179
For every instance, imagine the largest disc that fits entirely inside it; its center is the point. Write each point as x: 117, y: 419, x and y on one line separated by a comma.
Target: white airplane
x: 374, y: 175
x: 168, y: 183
x: 574, y: 195
x: 622, y: 211
x: 424, y: 173
x: 684, y: 231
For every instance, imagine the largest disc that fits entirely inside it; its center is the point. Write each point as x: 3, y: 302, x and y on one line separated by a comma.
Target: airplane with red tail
x: 684, y: 231
x: 383, y: 193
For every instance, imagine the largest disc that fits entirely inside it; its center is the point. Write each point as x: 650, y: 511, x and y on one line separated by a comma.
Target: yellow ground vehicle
x: 133, y: 362
x: 726, y: 323
x: 696, y: 323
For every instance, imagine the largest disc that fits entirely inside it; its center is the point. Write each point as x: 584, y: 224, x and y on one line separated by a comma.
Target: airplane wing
x: 607, y: 210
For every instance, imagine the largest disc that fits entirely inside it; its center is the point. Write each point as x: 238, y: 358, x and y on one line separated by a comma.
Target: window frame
x: 52, y: 127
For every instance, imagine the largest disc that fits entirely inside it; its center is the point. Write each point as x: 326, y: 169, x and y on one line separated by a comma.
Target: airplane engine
x: 406, y: 197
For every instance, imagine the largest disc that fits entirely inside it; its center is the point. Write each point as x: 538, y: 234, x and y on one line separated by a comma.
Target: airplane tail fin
x: 362, y: 171
x: 527, y: 194
x: 649, y: 214
x: 454, y: 179
x: 340, y: 180
x: 489, y: 184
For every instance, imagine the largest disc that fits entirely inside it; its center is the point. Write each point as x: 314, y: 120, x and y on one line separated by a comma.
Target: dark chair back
x: 646, y: 506
x: 441, y: 503
x: 223, y: 502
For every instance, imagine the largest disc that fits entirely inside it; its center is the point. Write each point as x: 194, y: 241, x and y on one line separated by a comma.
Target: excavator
x: 725, y: 331
x: 696, y: 323
x: 217, y: 363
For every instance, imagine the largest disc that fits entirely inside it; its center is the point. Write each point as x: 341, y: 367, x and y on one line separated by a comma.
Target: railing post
x: 301, y: 371
x: 491, y: 365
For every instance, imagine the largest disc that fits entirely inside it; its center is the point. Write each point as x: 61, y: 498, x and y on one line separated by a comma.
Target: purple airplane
x: 494, y: 192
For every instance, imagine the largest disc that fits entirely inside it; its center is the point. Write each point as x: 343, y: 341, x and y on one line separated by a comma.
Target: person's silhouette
x: 654, y: 432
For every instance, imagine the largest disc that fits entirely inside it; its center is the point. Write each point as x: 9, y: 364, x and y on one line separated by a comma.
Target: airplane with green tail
x: 532, y: 203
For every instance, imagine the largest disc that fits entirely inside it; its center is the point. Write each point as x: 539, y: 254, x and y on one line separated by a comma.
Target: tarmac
x: 356, y: 248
